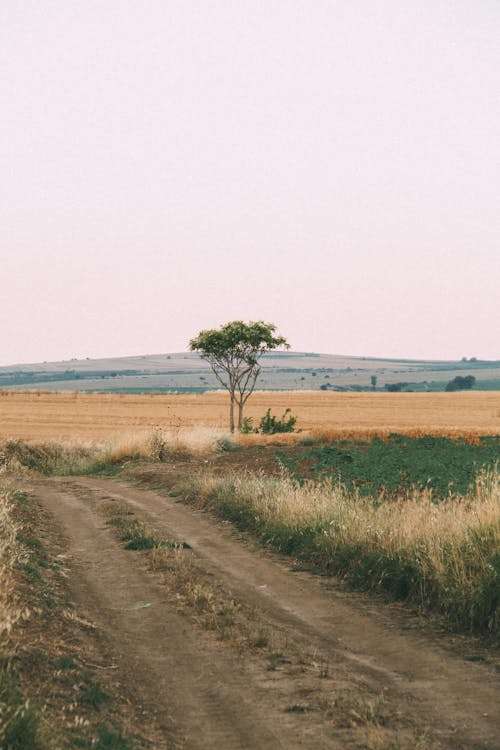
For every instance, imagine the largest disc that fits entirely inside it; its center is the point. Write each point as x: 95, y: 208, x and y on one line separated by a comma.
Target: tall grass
x: 19, y: 722
x: 10, y: 552
x: 80, y: 457
x: 444, y: 556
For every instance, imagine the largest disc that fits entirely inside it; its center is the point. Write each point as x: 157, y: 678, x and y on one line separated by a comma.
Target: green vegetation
x: 135, y: 534
x: 233, y: 352
x: 269, y: 424
x: 461, y: 383
x: 20, y: 723
x: 398, y: 464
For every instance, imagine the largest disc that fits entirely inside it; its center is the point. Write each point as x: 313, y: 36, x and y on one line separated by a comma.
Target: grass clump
x: 134, y: 533
x: 443, y: 557
x: 20, y: 723
x: 94, y: 695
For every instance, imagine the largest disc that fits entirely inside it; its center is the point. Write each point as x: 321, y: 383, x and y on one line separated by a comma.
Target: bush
x: 270, y: 425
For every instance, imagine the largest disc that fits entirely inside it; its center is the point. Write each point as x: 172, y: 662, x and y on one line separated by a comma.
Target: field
x: 186, y: 372
x: 42, y: 416
x: 370, y: 620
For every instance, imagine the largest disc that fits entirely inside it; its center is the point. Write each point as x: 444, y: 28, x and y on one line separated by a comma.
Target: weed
x: 93, y: 695
x: 297, y: 708
x: 324, y: 671
x: 261, y: 638
x: 357, y: 709
x: 65, y: 663
x: 414, y: 741
x: 227, y: 444
x: 19, y: 721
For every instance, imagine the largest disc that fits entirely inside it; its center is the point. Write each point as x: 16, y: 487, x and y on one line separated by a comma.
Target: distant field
x: 291, y: 371
x: 41, y: 416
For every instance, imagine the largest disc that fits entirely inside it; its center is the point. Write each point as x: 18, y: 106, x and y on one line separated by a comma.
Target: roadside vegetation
x: 49, y: 698
x: 108, y: 457
x: 440, y: 556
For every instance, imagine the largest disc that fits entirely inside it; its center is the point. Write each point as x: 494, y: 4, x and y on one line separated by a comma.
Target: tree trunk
x: 231, y: 413
x: 240, y: 415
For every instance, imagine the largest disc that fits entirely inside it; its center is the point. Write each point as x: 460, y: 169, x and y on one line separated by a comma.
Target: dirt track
x: 200, y: 693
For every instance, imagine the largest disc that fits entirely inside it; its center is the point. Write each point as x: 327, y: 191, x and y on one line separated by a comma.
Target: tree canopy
x: 233, y: 352
x: 461, y: 383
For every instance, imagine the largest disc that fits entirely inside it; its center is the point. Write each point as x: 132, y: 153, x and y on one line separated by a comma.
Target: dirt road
x: 346, y: 674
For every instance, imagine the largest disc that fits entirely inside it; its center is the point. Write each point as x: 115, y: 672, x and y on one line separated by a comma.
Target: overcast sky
x: 332, y: 166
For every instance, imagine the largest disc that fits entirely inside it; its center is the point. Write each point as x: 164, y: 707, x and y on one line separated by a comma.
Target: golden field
x: 41, y: 416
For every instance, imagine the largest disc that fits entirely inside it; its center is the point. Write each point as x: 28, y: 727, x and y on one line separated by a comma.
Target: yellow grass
x: 440, y: 555
x: 46, y: 416
x: 9, y: 554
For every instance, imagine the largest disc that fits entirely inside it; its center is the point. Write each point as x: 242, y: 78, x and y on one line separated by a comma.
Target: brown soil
x: 332, y: 670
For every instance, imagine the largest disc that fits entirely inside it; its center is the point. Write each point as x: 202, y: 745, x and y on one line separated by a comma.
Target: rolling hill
x: 187, y: 372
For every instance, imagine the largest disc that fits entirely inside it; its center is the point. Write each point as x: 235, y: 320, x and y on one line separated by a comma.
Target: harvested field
x: 41, y: 416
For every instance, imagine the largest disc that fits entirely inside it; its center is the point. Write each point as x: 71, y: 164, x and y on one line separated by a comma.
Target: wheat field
x: 41, y: 416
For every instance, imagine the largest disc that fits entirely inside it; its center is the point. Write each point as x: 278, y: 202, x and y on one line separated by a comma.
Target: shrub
x: 270, y: 425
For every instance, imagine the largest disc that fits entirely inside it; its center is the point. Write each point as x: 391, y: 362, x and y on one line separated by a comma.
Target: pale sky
x: 332, y: 166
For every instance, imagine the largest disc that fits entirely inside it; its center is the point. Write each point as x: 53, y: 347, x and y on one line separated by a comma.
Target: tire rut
x: 197, y: 701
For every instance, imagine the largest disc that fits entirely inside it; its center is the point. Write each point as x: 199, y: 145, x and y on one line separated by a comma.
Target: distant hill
x: 187, y: 372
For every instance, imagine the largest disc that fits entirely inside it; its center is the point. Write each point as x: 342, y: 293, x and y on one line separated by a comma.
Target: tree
x: 373, y: 381
x: 461, y: 383
x: 233, y: 352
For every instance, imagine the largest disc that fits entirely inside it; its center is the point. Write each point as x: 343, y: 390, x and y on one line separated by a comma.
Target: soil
x: 332, y: 669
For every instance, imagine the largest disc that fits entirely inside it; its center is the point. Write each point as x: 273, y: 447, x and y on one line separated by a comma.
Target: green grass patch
x: 66, y: 663
x: 135, y: 534
x: 94, y: 695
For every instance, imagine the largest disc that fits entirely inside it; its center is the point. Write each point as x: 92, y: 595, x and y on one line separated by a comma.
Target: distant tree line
x: 461, y: 383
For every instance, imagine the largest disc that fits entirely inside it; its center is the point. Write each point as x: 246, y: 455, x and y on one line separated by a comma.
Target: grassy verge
x: 443, y: 557
x: 79, y: 457
x: 49, y: 698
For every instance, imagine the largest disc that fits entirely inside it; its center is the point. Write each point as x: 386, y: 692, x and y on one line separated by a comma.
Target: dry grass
x: 10, y: 552
x: 84, y: 456
x: 98, y: 417
x: 442, y: 556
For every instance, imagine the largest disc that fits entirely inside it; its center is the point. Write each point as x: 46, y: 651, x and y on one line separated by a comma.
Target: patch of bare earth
x: 224, y: 646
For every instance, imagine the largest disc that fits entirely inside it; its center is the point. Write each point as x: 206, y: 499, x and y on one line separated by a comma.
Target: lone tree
x: 233, y: 352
